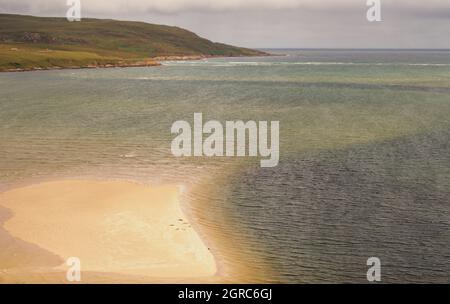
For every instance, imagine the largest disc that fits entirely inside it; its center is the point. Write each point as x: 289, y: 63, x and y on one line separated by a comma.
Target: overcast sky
x: 275, y: 23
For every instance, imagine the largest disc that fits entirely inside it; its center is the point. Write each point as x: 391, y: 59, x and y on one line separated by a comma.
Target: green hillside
x: 41, y: 42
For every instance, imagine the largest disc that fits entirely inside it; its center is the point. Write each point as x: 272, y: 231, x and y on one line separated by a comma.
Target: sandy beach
x: 120, y: 231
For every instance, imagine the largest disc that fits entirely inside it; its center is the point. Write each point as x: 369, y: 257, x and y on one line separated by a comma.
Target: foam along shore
x: 111, y: 226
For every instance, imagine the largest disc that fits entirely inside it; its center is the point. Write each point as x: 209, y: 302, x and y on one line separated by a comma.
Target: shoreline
x: 100, y: 66
x: 150, y: 62
x: 107, y: 214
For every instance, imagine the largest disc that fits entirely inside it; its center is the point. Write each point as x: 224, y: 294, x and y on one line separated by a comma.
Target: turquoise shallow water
x: 364, y: 169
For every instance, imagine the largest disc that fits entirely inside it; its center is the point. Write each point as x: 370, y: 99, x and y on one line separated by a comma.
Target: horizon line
x: 350, y: 49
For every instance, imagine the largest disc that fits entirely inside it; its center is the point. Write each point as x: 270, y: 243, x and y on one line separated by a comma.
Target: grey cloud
x: 276, y: 23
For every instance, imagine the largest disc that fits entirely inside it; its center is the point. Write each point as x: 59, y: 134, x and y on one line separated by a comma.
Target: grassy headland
x: 28, y: 43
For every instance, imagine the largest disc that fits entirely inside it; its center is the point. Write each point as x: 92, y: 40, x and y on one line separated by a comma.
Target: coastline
x: 106, y: 224
x: 99, y: 66
x: 151, y: 62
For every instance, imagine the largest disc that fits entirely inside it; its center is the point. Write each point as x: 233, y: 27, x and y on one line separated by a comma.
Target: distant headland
x: 41, y: 43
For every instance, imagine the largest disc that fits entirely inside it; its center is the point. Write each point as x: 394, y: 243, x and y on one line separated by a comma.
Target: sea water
x: 364, y: 167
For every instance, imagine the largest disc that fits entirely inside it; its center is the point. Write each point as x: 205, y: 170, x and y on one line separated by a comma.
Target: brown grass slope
x: 28, y: 42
